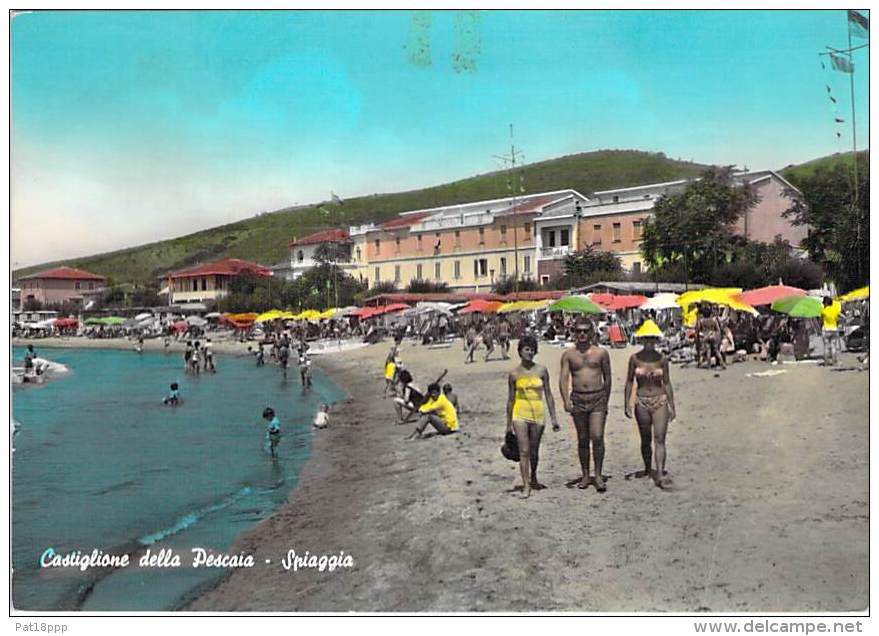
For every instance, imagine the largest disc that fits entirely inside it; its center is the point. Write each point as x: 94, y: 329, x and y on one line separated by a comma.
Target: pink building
x: 60, y: 285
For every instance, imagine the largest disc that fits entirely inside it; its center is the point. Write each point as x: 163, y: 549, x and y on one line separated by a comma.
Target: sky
x: 132, y: 127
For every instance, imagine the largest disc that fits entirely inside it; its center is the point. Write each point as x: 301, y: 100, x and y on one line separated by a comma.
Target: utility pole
x: 511, y: 160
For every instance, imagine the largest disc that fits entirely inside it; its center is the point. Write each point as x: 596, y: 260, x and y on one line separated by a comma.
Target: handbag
x: 510, y: 449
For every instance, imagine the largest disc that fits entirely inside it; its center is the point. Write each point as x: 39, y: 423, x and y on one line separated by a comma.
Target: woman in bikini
x: 654, y: 401
x: 528, y: 386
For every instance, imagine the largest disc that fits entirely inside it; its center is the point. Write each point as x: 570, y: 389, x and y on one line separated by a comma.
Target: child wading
x: 273, y: 431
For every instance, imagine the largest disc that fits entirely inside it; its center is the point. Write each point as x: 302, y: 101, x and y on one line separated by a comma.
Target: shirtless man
x: 488, y: 338
x: 585, y: 383
x: 503, y: 337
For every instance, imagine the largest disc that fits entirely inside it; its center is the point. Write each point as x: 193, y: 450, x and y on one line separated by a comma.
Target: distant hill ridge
x: 264, y: 238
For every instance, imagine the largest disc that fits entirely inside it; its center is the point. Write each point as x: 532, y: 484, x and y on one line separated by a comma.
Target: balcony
x: 548, y: 253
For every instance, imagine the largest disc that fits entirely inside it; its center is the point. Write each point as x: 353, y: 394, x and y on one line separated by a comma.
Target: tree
x: 509, y: 285
x: 582, y: 267
x: 417, y: 286
x: 839, y: 221
x: 693, y: 228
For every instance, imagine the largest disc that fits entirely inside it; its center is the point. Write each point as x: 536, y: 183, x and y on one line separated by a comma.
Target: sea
x: 99, y: 462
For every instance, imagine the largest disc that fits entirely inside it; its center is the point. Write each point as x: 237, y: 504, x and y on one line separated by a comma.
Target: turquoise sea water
x: 99, y: 462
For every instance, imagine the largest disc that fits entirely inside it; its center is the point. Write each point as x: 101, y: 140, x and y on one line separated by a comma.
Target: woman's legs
x: 660, y: 427
x: 535, y: 432
x: 644, y: 418
x: 520, y: 428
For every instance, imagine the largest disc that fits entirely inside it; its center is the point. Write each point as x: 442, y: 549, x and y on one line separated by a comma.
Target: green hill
x: 264, y: 238
x: 795, y: 173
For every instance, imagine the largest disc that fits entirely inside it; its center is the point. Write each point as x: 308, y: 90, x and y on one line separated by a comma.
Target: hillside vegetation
x: 264, y: 238
x: 798, y: 173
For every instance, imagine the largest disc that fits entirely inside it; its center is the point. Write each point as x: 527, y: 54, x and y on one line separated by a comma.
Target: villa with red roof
x: 207, y: 282
x: 60, y: 285
x: 302, y: 251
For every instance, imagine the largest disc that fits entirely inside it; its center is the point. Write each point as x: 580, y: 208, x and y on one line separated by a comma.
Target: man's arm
x: 630, y: 381
x: 605, y: 370
x: 565, y: 381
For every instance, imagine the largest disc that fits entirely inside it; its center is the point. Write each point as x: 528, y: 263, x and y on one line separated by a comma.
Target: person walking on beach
x: 274, y: 430
x: 830, y: 329
x: 305, y: 370
x: 654, y: 401
x: 284, y: 357
x: 528, y: 385
x: 503, y: 337
x: 29, y: 356
x: 391, y: 366
x: 585, y: 384
x: 488, y: 338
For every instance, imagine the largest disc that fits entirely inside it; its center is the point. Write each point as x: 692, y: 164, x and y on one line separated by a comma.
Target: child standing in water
x: 172, y: 398
x: 274, y: 430
x: 321, y: 418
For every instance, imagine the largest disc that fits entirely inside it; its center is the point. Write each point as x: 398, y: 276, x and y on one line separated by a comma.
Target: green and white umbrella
x: 576, y: 305
x: 799, y: 306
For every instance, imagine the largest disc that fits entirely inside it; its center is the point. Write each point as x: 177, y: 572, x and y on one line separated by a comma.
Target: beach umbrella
x: 799, y: 306
x: 576, y: 305
x: 273, y: 314
x: 768, y: 295
x: 481, y: 307
x: 614, y: 302
x: 213, y: 314
x: 858, y: 294
x: 143, y: 316
x: 112, y: 320
x: 327, y: 314
x: 94, y: 321
x: 196, y: 321
x: 664, y: 300
x: 718, y: 296
x: 180, y: 326
x: 63, y: 323
x: 393, y: 307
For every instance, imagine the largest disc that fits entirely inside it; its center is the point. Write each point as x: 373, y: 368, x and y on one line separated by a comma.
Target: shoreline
x: 433, y: 526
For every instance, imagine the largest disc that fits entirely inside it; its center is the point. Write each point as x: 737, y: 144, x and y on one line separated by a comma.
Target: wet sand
x: 769, y: 511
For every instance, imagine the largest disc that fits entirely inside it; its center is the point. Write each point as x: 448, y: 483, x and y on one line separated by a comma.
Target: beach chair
x: 616, y: 336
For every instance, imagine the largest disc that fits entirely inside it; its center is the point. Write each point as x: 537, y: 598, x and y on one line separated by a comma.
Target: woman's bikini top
x: 649, y: 374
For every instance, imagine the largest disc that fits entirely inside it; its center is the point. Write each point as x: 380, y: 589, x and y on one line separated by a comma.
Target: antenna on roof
x: 514, y: 187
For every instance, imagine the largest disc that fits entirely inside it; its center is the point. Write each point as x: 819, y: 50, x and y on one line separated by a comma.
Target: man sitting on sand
x: 438, y: 412
x: 410, y: 399
x: 585, y: 383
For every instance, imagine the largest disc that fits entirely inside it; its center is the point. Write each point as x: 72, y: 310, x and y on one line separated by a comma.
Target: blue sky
x: 130, y: 127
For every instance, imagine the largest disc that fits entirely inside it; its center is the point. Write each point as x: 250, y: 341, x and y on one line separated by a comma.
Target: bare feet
x: 600, y: 486
x: 526, y: 492
x: 585, y: 482
x: 536, y: 485
x: 638, y: 474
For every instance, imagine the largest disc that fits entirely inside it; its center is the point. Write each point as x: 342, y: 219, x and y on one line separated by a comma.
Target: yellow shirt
x: 830, y: 316
x: 445, y: 409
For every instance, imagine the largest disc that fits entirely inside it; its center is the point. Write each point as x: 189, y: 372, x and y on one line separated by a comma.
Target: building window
x: 300, y: 256
x: 204, y: 284
x: 636, y: 229
x: 636, y: 267
x: 397, y: 244
x: 436, y: 271
x: 396, y: 273
x: 437, y: 243
x: 378, y: 246
x: 91, y: 285
x: 457, y: 269
x: 418, y: 271
x: 457, y: 238
x: 480, y: 267
x: 418, y: 241
x: 596, y: 234
x: 503, y: 234
x: 359, y: 254
x: 503, y: 265
x: 616, y: 199
x: 550, y: 238
x: 616, y: 233
x: 527, y: 231
x: 482, y: 236
x: 544, y: 279
x: 76, y: 285
x: 527, y: 264
x: 566, y: 238
x: 378, y: 274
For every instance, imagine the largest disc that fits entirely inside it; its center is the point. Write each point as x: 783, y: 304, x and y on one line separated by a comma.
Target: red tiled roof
x: 223, y: 267
x: 324, y: 236
x: 66, y: 273
x: 444, y: 297
x: 405, y: 221
x: 532, y: 205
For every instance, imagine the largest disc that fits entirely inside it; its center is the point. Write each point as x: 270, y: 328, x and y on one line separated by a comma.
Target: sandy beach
x: 769, y: 511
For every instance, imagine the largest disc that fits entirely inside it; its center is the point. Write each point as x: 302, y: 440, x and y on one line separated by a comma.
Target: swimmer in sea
x: 273, y: 431
x: 654, y: 401
x: 173, y: 398
x: 529, y: 388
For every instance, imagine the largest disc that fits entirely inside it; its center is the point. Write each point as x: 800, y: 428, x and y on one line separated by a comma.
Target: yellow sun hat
x: 649, y: 330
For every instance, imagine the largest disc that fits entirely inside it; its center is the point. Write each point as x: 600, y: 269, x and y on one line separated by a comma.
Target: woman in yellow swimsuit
x: 654, y: 401
x: 528, y: 386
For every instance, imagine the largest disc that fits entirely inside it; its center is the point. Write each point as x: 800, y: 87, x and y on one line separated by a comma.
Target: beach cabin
x: 209, y: 282
x: 59, y: 286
